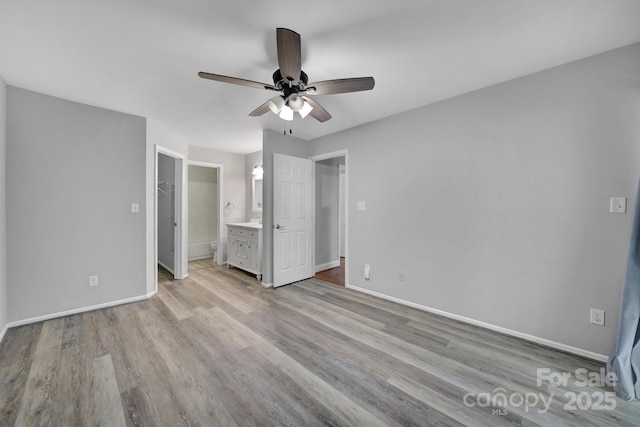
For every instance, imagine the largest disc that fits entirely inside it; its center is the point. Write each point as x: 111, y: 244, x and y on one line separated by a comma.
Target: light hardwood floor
x: 216, y: 349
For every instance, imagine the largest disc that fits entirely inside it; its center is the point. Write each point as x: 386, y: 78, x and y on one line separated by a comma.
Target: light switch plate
x: 618, y: 205
x: 361, y: 205
x: 135, y: 208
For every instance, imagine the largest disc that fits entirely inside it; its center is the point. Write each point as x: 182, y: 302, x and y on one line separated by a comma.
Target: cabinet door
x: 231, y: 253
x: 242, y: 250
x: 253, y: 261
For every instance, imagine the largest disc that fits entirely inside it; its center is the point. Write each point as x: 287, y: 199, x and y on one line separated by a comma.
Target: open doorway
x: 205, y: 213
x: 330, y: 218
x: 169, y: 210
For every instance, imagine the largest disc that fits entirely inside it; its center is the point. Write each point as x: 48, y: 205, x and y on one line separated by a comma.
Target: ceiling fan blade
x: 289, y: 57
x: 330, y: 87
x: 260, y: 110
x: 236, y: 81
x: 318, y: 113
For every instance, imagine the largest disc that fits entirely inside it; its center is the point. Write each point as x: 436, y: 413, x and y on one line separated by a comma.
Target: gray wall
x: 327, y: 211
x: 166, y: 209
x: 495, y: 203
x: 274, y: 142
x: 72, y: 173
x: 3, y: 205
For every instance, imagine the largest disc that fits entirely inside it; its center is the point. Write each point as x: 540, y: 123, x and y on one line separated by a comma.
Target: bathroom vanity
x: 245, y: 247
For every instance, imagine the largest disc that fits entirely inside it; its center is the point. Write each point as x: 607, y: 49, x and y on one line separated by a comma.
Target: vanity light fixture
x: 258, y: 172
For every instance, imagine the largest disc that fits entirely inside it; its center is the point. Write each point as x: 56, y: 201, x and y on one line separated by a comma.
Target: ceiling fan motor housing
x: 288, y: 87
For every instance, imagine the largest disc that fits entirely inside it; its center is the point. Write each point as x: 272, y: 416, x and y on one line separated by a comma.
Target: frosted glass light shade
x: 296, y: 102
x: 275, y: 104
x: 305, y: 110
x: 286, y: 113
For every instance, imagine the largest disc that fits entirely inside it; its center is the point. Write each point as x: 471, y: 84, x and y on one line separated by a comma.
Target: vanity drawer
x: 236, y: 231
x: 244, y: 232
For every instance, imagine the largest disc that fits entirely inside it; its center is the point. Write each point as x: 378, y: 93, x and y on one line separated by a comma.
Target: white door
x: 293, y: 227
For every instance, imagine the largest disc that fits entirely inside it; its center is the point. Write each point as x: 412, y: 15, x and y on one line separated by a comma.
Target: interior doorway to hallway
x: 331, y: 217
x: 334, y: 275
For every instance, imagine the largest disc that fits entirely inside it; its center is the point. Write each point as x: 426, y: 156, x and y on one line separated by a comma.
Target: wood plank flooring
x: 333, y: 275
x: 216, y: 349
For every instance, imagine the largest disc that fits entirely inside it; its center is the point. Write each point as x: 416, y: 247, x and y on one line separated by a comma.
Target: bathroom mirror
x: 256, y: 194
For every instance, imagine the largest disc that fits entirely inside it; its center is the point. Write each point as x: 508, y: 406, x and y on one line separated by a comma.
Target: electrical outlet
x: 597, y: 316
x: 367, y: 271
x: 93, y: 280
x: 401, y: 276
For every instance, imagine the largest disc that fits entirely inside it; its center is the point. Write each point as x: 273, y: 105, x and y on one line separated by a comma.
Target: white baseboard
x: 328, y: 265
x: 532, y: 338
x: 170, y: 270
x: 4, y: 331
x: 267, y: 285
x: 78, y: 310
x: 197, y: 258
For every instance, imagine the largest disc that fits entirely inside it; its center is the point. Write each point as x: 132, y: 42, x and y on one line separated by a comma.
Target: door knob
x: 278, y: 227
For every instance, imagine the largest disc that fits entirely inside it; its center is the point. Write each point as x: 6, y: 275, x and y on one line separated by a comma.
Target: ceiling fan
x: 292, y: 82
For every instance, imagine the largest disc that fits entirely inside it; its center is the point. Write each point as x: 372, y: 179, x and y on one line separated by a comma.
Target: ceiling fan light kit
x: 295, y: 102
x: 276, y: 103
x: 286, y: 108
x: 286, y: 113
x: 291, y: 81
x: 305, y: 110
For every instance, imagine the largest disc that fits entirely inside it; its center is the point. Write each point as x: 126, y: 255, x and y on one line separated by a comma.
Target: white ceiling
x: 142, y: 56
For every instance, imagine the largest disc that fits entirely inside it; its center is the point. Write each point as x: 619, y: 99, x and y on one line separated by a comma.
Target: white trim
x: 182, y: 231
x: 221, y: 240
x: 328, y: 265
x: 79, y: 310
x: 4, y: 331
x: 199, y: 257
x: 543, y: 341
x: 331, y: 155
x: 168, y: 152
x: 267, y: 285
x: 342, y: 207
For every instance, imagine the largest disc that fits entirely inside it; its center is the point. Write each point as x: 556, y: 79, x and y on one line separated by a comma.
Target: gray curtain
x: 625, y: 360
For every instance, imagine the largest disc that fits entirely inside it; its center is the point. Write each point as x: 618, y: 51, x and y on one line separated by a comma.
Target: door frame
x: 342, y: 208
x: 220, y: 251
x: 332, y: 155
x: 180, y: 241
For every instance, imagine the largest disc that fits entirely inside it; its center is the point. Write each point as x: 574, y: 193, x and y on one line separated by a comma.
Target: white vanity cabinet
x: 245, y: 247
